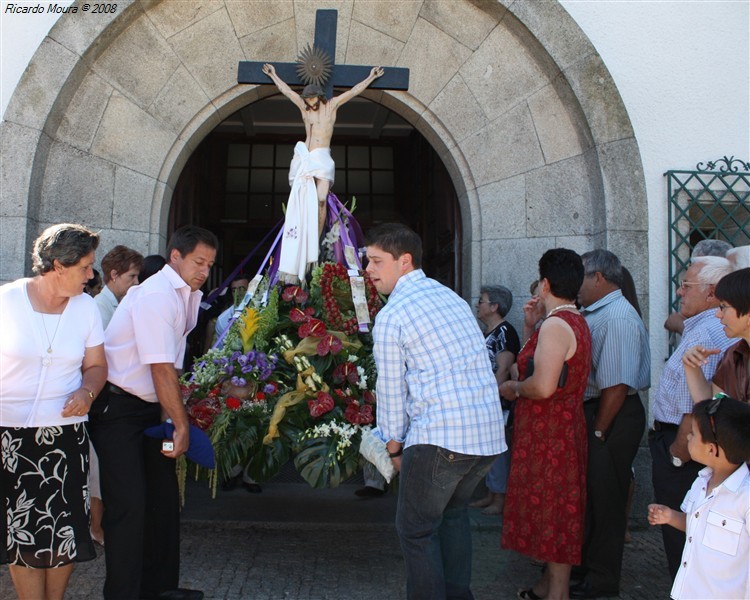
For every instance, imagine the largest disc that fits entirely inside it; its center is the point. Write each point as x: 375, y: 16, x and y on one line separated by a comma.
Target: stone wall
x: 512, y: 96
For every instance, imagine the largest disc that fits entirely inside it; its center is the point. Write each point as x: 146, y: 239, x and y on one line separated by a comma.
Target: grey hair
x: 65, y: 243
x: 604, y: 262
x: 711, y: 248
x: 500, y: 295
x: 739, y: 257
x: 712, y: 270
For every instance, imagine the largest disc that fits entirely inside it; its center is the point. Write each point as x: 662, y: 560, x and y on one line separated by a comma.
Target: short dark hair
x: 396, y: 239
x: 735, y: 289
x: 500, y: 295
x: 313, y: 91
x: 66, y: 243
x: 186, y: 238
x: 563, y: 269
x: 120, y: 259
x: 710, y: 248
x: 94, y: 285
x: 732, y: 426
x: 152, y: 264
x: 629, y: 291
x: 604, y: 262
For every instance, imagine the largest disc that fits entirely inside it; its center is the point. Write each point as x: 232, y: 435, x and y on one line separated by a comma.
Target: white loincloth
x: 299, y: 243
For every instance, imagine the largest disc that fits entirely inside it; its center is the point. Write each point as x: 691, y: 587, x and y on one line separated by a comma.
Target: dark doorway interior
x: 237, y: 180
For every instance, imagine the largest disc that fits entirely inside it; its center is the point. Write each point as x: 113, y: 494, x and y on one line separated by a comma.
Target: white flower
x: 352, y: 358
x: 67, y: 541
x: 9, y: 450
x: 47, y: 435
x: 18, y: 519
x: 362, y: 384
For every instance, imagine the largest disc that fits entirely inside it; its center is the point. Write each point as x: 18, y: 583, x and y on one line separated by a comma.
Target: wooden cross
x: 394, y: 78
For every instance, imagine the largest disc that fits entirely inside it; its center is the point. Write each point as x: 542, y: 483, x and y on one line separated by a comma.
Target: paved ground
x: 293, y: 542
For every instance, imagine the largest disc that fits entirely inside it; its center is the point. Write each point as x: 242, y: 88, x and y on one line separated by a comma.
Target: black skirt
x: 46, y: 504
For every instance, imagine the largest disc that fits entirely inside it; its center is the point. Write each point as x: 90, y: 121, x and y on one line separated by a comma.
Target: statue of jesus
x: 311, y: 172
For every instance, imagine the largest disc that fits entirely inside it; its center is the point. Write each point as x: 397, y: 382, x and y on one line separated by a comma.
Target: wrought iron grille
x: 711, y: 202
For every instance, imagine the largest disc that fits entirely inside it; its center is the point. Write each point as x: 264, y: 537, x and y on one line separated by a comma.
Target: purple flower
x: 239, y: 381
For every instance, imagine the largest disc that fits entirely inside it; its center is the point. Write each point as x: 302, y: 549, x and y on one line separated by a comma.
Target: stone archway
x: 514, y: 99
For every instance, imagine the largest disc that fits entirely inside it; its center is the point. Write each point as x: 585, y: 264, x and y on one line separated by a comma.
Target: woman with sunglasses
x: 732, y: 375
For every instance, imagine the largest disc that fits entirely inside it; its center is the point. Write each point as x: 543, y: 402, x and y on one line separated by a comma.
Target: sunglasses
x: 711, y: 409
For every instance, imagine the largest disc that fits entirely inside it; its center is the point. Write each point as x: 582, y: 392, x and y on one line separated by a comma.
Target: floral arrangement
x: 294, y: 378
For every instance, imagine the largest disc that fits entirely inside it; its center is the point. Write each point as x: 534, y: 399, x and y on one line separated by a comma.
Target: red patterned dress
x: 546, y: 500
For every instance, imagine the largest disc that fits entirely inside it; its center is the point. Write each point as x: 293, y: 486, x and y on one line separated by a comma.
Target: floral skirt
x: 45, y: 496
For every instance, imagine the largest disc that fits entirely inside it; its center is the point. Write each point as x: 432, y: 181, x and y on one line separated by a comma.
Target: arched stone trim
x: 72, y: 130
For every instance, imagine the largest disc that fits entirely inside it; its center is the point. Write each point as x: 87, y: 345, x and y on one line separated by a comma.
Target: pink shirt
x: 150, y: 326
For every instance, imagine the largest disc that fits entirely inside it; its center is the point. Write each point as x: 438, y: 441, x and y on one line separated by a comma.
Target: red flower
x: 297, y: 315
x: 345, y: 372
x: 260, y: 396
x: 322, y: 404
x: 358, y: 415
x: 330, y: 343
x: 233, y: 403
x: 294, y: 293
x: 314, y: 327
x: 368, y: 397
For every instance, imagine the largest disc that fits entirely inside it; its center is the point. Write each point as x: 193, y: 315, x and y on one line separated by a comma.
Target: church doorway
x: 236, y: 182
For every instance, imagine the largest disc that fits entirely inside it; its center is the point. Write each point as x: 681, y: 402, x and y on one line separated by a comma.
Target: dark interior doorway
x: 237, y: 180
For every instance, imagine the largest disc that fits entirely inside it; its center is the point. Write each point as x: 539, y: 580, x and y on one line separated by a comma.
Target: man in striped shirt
x: 438, y: 411
x: 620, y: 367
x: 673, y: 472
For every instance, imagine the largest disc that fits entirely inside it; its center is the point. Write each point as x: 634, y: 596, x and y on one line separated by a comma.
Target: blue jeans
x: 432, y: 520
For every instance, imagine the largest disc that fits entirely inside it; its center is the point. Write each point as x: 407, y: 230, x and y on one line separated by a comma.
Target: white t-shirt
x: 150, y: 326
x: 23, y: 347
x: 716, y: 558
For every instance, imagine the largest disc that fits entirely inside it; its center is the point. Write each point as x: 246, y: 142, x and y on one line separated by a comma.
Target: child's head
x: 721, y: 422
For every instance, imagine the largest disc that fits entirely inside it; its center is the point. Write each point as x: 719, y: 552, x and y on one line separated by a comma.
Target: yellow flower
x: 248, y: 327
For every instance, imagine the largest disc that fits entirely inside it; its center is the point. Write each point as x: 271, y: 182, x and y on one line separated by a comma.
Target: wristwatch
x: 397, y: 453
x: 677, y: 462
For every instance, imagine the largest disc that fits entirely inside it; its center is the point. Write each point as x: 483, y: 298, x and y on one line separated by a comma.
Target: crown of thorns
x: 314, y: 66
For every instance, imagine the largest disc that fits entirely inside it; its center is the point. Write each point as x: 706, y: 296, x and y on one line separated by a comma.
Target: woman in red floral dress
x: 546, y: 498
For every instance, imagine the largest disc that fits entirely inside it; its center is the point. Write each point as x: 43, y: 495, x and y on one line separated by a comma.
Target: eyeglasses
x: 711, y: 409
x: 685, y: 284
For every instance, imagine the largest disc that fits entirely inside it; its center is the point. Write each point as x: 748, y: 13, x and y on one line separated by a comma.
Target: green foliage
x: 316, y: 462
x: 268, y: 321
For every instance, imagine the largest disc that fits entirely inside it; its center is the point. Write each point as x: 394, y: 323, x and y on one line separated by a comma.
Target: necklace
x: 47, y: 359
x: 559, y: 308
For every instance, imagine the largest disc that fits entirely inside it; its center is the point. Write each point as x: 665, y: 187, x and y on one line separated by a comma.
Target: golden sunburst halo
x: 314, y: 66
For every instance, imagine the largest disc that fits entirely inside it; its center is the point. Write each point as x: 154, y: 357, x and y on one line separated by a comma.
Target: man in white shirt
x: 145, y: 347
x: 120, y: 266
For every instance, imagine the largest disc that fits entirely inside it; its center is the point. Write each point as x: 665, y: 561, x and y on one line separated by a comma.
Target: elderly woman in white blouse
x: 52, y: 366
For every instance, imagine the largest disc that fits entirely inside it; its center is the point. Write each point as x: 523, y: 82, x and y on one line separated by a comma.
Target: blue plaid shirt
x: 619, y: 346
x: 672, y: 398
x: 435, y: 385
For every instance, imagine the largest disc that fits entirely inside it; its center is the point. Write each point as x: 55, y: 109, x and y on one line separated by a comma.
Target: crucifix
x: 312, y: 170
x: 394, y: 78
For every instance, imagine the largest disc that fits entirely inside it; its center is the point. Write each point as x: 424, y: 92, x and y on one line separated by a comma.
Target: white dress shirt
x: 716, y: 559
x: 149, y: 327
x: 106, y: 303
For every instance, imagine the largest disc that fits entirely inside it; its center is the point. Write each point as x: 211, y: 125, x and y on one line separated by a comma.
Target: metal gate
x: 711, y: 202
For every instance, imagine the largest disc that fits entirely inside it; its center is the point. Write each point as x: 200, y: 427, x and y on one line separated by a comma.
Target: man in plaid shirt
x: 438, y: 411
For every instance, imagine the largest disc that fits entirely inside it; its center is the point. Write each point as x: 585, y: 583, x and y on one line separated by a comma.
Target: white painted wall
x: 20, y: 36
x: 682, y: 68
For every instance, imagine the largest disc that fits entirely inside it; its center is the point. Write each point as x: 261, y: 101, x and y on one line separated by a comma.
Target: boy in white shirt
x: 716, y: 518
